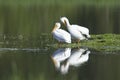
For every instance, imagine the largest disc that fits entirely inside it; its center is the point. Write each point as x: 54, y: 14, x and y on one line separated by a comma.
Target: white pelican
x: 77, y: 32
x: 76, y: 59
x: 59, y: 56
x: 60, y: 34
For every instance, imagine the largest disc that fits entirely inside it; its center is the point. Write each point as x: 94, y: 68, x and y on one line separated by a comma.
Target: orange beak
x: 54, y: 28
x: 65, y: 23
x: 53, y: 60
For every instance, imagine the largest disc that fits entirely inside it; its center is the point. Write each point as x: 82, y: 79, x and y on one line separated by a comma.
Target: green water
x: 27, y: 58
x: 25, y: 52
x: 36, y: 64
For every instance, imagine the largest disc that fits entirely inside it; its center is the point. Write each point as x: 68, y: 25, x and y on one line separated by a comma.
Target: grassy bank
x: 101, y: 42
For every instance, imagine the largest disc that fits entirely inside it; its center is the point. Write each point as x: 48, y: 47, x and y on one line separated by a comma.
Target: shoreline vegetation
x: 60, y: 3
x: 100, y: 42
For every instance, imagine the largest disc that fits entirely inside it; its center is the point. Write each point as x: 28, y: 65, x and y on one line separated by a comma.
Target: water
x: 33, y: 59
x: 37, y: 64
x: 26, y: 51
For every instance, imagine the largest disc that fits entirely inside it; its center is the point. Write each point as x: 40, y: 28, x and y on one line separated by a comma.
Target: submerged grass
x: 101, y: 42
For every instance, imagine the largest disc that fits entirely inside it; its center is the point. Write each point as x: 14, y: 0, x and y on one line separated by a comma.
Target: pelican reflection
x: 59, y: 56
x: 65, y: 57
x: 77, y: 58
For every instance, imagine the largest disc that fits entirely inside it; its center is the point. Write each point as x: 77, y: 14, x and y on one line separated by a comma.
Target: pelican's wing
x: 64, y: 33
x: 83, y: 30
x: 59, y: 36
x: 59, y: 51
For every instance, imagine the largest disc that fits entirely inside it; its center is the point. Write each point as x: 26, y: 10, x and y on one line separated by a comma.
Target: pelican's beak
x: 65, y: 23
x: 54, y: 28
x: 53, y: 60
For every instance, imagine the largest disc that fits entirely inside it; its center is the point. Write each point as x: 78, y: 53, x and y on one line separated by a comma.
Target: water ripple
x: 22, y: 49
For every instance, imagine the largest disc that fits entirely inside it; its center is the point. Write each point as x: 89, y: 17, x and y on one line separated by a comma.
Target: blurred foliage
x: 58, y: 2
x: 33, y: 17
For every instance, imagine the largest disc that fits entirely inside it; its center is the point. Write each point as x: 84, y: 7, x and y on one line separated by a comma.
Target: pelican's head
x: 64, y: 20
x: 57, y: 26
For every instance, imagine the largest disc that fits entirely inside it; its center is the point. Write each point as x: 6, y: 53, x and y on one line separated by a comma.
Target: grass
x: 101, y: 42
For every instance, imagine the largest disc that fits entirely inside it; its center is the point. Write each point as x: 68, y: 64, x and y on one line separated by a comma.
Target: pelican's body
x: 60, y: 34
x: 77, y: 32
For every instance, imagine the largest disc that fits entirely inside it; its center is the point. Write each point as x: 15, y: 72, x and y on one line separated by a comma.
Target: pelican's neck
x: 65, y: 68
x: 67, y: 22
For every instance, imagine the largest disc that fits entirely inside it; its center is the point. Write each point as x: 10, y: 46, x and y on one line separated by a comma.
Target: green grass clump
x: 101, y: 42
x: 104, y: 42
